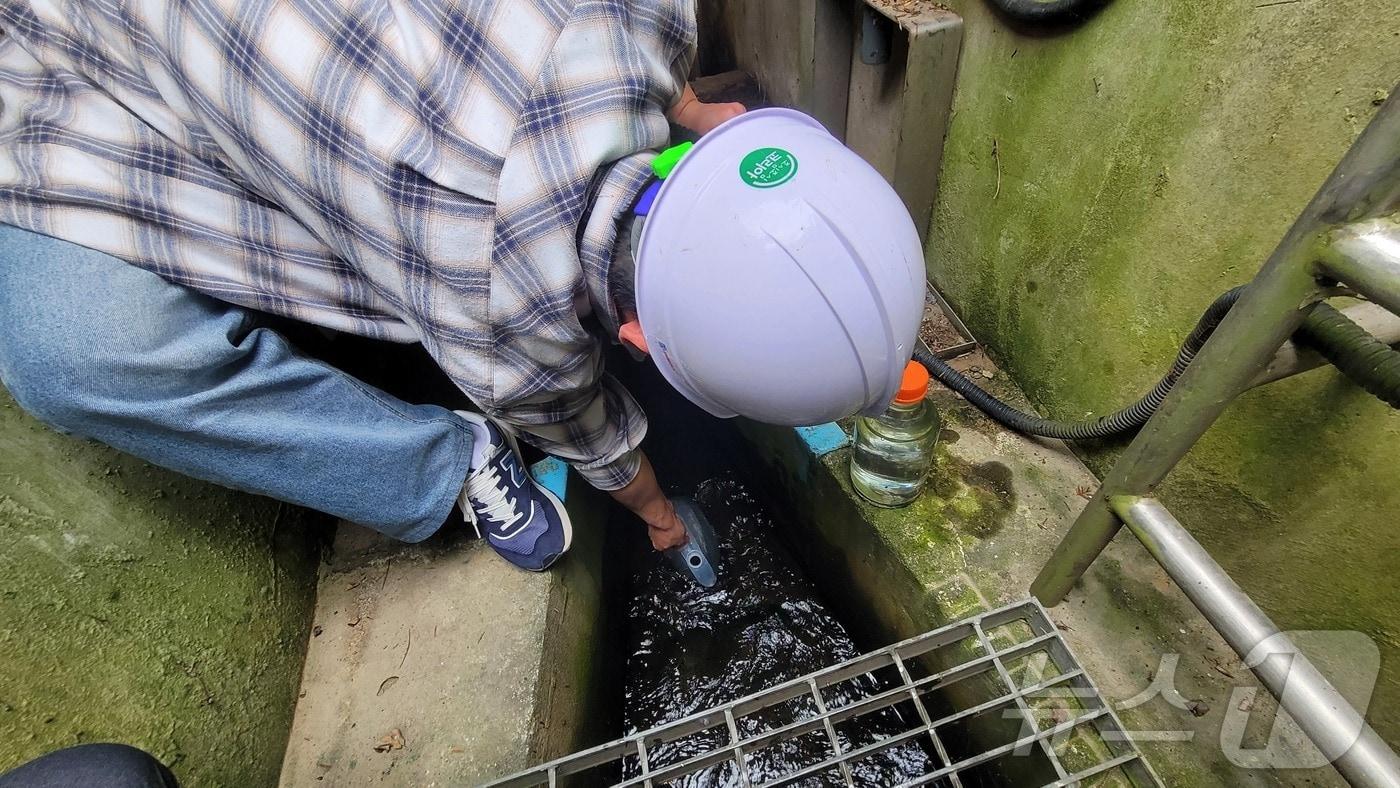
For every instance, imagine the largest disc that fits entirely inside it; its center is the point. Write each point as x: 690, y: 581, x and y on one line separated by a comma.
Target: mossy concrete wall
x: 143, y: 607
x: 1099, y: 188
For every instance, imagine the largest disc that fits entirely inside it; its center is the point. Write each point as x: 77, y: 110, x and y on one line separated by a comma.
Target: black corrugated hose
x: 1048, y: 12
x: 1369, y: 362
x: 1362, y: 357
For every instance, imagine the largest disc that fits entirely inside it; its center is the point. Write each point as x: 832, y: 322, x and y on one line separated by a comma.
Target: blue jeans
x: 105, y: 765
x: 106, y: 350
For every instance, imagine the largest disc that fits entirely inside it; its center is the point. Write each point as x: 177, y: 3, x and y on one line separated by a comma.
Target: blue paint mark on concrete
x: 552, y: 474
x: 823, y: 439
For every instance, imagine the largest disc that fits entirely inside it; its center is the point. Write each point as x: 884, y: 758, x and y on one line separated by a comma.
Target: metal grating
x: 997, y: 698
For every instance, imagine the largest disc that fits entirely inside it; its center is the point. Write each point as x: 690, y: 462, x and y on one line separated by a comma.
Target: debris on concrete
x: 936, y: 330
x: 393, y: 740
x: 385, y: 685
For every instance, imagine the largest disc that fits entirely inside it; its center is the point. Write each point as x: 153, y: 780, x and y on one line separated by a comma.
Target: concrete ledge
x: 480, y: 668
x: 995, y: 507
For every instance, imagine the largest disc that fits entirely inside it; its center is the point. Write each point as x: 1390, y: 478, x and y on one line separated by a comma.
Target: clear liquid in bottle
x: 892, y: 452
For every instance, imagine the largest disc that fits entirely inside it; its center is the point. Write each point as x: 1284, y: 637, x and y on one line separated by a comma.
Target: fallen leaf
x: 393, y: 740
x: 1198, y: 708
x: 386, y: 684
x: 316, y: 631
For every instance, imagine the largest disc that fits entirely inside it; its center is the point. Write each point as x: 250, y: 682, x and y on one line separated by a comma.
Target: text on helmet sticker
x: 765, y: 168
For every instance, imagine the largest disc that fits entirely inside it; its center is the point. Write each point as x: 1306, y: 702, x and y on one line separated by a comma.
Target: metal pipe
x: 1366, y: 255
x: 1291, y: 360
x: 1338, y: 730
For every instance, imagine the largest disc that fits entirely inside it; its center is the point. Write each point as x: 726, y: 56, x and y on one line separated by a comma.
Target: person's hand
x: 667, y: 530
x: 699, y: 116
x: 644, y: 498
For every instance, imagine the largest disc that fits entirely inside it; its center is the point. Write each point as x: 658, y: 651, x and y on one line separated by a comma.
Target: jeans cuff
x: 455, y: 478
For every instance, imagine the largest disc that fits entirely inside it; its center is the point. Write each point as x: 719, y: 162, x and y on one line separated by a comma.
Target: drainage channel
x: 690, y: 649
x: 758, y: 682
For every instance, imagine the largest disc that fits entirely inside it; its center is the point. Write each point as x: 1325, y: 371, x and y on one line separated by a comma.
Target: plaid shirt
x: 450, y: 172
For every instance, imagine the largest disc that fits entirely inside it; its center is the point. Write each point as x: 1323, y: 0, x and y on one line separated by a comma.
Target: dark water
x: 692, y: 648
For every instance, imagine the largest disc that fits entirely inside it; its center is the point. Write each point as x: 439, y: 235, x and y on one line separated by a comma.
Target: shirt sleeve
x: 600, y: 437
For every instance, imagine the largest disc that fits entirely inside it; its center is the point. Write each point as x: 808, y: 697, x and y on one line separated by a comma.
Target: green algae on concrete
x: 1101, y: 186
x: 143, y: 607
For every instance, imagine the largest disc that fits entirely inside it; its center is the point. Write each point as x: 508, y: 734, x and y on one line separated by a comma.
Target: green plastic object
x: 667, y: 160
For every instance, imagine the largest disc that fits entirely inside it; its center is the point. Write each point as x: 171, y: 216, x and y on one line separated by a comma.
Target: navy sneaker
x: 523, y: 521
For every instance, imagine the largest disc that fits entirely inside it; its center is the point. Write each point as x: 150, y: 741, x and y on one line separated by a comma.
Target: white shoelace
x: 489, y: 492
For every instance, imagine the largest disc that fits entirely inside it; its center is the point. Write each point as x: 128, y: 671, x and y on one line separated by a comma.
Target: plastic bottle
x: 894, y: 451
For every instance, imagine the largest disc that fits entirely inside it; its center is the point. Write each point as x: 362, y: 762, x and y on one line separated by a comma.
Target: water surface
x: 691, y: 648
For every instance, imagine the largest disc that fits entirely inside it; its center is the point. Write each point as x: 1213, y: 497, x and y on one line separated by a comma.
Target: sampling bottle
x: 893, y: 451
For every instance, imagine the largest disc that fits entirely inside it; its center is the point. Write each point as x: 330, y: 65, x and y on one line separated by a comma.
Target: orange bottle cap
x: 914, y: 385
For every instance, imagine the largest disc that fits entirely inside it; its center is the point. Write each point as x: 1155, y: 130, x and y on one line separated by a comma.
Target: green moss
x: 142, y: 607
x: 1099, y: 188
x: 960, y: 498
x: 1083, y: 749
x: 1140, y: 607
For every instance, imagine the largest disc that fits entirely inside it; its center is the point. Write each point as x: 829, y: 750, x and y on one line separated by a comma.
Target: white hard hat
x: 779, y: 276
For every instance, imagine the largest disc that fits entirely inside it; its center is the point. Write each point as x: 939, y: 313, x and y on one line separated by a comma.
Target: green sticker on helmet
x: 765, y: 168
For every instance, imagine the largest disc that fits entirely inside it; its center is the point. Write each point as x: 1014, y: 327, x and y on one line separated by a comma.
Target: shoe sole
x: 558, y: 504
